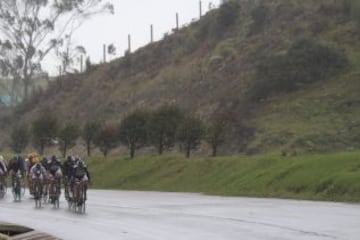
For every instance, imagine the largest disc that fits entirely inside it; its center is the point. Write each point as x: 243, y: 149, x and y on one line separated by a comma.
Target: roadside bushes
x: 307, y: 61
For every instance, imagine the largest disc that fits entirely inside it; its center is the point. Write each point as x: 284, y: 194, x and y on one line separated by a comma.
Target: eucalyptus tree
x: 31, y: 29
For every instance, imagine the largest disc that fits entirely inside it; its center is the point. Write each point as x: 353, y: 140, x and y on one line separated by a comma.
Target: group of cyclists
x: 48, y: 173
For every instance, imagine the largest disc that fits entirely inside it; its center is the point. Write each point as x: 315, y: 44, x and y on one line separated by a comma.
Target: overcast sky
x: 132, y: 17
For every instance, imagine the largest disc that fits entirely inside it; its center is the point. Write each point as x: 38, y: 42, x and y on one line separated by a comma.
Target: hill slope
x: 211, y: 66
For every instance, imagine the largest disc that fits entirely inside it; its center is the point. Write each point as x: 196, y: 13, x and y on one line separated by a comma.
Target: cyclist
x: 55, y: 173
x: 80, y: 171
x: 67, y: 171
x: 54, y: 167
x: 16, y: 168
x: 37, y: 172
x: 3, y: 168
x: 32, y: 160
x: 80, y: 174
x: 3, y: 172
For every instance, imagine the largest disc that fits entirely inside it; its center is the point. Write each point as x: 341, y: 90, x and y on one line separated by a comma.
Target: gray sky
x: 132, y: 17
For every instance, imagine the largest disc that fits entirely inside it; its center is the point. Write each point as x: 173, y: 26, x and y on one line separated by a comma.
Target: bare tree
x: 31, y: 29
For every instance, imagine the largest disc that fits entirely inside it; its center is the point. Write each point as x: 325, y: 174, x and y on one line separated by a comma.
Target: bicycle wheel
x: 83, y: 200
x: 37, y: 194
x: 17, y: 190
x: 22, y: 184
x: 2, y: 189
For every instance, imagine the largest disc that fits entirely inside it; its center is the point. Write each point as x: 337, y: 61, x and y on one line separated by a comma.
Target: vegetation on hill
x: 287, y: 71
x: 333, y: 177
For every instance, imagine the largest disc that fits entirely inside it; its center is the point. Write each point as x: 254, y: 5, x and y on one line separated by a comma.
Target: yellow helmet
x: 33, y: 157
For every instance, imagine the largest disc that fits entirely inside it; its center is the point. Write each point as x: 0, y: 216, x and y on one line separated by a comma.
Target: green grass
x: 333, y: 177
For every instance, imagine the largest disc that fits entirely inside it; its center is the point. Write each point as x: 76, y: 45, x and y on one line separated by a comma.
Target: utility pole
x: 177, y: 21
x: 200, y: 8
x: 59, y: 81
x: 129, y: 43
x: 81, y: 63
x: 151, y: 33
x: 104, y: 52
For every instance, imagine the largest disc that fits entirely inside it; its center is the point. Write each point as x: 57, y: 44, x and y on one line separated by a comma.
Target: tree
x: 111, y: 49
x: 162, y: 127
x: 20, y: 137
x: 44, y: 130
x: 68, y: 136
x: 31, y: 29
x: 89, y: 66
x: 216, y: 132
x: 106, y: 139
x: 69, y: 54
x: 133, y: 131
x: 89, y: 132
x: 190, y: 134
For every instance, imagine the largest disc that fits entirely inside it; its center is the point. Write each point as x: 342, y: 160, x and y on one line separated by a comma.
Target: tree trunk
x: 188, y: 149
x: 88, y: 148
x: 161, y: 148
x: 214, y: 150
x: 132, y: 151
x: 26, y: 82
x: 12, y: 93
x: 105, y: 152
x: 42, y: 147
x: 64, y: 151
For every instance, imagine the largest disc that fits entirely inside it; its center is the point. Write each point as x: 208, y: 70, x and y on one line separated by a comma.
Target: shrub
x: 259, y: 16
x: 306, y: 61
x: 228, y: 14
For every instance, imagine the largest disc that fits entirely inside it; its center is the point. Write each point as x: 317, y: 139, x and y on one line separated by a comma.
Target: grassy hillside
x: 210, y: 67
x: 318, y: 177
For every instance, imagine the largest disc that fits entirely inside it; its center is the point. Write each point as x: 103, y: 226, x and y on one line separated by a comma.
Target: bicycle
x: 78, y: 203
x: 54, y: 191
x: 46, y: 195
x: 38, y: 191
x: 18, y: 188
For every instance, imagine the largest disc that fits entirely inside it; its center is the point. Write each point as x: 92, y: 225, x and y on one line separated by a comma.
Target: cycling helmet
x: 81, y: 164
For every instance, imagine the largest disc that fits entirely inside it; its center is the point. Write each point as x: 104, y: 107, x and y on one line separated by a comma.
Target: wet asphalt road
x: 174, y: 216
